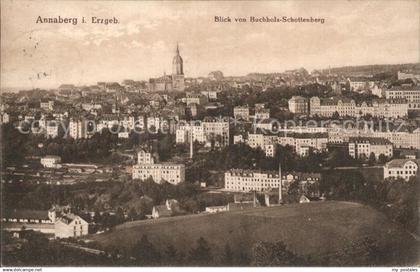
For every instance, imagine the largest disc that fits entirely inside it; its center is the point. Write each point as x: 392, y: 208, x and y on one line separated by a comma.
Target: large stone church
x: 174, y: 82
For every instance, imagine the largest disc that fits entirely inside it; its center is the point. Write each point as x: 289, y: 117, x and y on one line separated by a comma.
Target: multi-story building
x: 270, y: 150
x: 185, y: 131
x: 4, y: 118
x: 383, y: 108
x: 77, y: 129
x: 240, y: 180
x: 91, y: 106
x: 153, y: 123
x: 36, y: 220
x: 248, y: 180
x: 196, y: 98
x: 52, y: 129
x: 211, y: 95
x: 261, y: 113
x: 402, y: 76
x: 159, y: 172
x: 306, y: 141
x: 391, y: 108
x: 50, y: 161
x: 241, y: 112
x: 47, y: 105
x: 298, y: 105
x: 181, y: 135
x: 328, y: 107
x: 70, y: 225
x: 255, y: 140
x: 358, y: 84
x: 217, y: 130
x: 362, y: 147
x: 401, y: 168
x: 144, y: 157
x: 409, y: 93
x: 127, y: 121
x: 399, y: 139
x: 139, y: 123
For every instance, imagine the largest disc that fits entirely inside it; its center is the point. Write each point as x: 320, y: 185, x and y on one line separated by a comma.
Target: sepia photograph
x: 210, y: 134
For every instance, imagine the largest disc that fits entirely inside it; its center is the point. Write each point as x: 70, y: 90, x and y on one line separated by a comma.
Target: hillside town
x: 204, y: 145
x: 210, y: 134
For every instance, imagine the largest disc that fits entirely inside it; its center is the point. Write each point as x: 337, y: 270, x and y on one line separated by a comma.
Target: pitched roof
x: 26, y: 214
x: 371, y: 140
x: 398, y: 163
x: 69, y: 217
x: 162, y: 210
x: 404, y: 88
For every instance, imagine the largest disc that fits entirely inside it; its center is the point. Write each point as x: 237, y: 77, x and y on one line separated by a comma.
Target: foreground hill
x: 315, y: 229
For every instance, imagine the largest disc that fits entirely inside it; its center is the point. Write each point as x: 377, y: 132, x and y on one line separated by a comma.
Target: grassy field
x: 314, y: 228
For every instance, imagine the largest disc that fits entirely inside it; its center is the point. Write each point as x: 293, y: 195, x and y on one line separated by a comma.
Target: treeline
x: 396, y: 198
x: 363, y: 252
x: 97, y: 149
x: 245, y: 157
x: 112, y: 202
x: 38, y: 250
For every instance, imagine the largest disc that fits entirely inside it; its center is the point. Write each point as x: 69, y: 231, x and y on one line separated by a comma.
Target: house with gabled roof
x: 401, y: 168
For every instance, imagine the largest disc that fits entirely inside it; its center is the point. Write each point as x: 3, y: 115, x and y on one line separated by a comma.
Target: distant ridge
x: 375, y: 69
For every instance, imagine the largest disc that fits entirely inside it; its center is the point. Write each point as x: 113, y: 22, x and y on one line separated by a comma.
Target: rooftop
x: 26, y: 214
x: 398, y: 163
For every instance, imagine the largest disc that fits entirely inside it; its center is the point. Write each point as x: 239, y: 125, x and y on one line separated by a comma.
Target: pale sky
x: 143, y: 43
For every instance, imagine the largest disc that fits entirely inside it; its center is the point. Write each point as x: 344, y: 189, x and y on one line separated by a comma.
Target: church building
x: 174, y: 82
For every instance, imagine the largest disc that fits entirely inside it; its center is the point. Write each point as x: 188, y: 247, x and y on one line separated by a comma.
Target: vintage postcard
x: 210, y: 134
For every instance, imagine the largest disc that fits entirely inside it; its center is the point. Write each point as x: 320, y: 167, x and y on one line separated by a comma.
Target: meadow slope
x: 316, y: 229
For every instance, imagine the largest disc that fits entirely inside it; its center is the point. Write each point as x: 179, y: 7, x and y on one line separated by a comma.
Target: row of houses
x: 327, y: 107
x: 302, y: 143
x: 243, y: 112
x: 243, y: 180
x: 316, y: 139
x: 209, y: 130
x: 57, y: 221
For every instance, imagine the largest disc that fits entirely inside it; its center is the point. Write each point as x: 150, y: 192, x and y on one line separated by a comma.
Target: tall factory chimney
x: 280, y: 185
x: 191, y: 145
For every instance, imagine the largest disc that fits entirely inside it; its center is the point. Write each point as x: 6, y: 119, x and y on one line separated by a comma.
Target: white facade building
x: 217, y: 130
x: 401, y: 168
x: 70, y: 225
x: 298, y: 105
x: 241, y: 112
x: 159, y: 172
x: 364, y: 146
x: 390, y: 108
x: 408, y: 93
x: 77, y: 129
x: 52, y: 129
x: 261, y: 113
x: 51, y: 161
x: 246, y: 180
x: 144, y: 157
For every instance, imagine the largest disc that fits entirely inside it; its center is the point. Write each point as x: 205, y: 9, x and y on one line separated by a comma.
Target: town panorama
x: 293, y: 168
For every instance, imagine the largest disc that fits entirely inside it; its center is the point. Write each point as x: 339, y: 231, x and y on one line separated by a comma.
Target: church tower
x: 177, y: 63
x: 178, y: 83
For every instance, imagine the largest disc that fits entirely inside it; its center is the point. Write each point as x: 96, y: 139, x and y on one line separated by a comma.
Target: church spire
x: 177, y: 63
